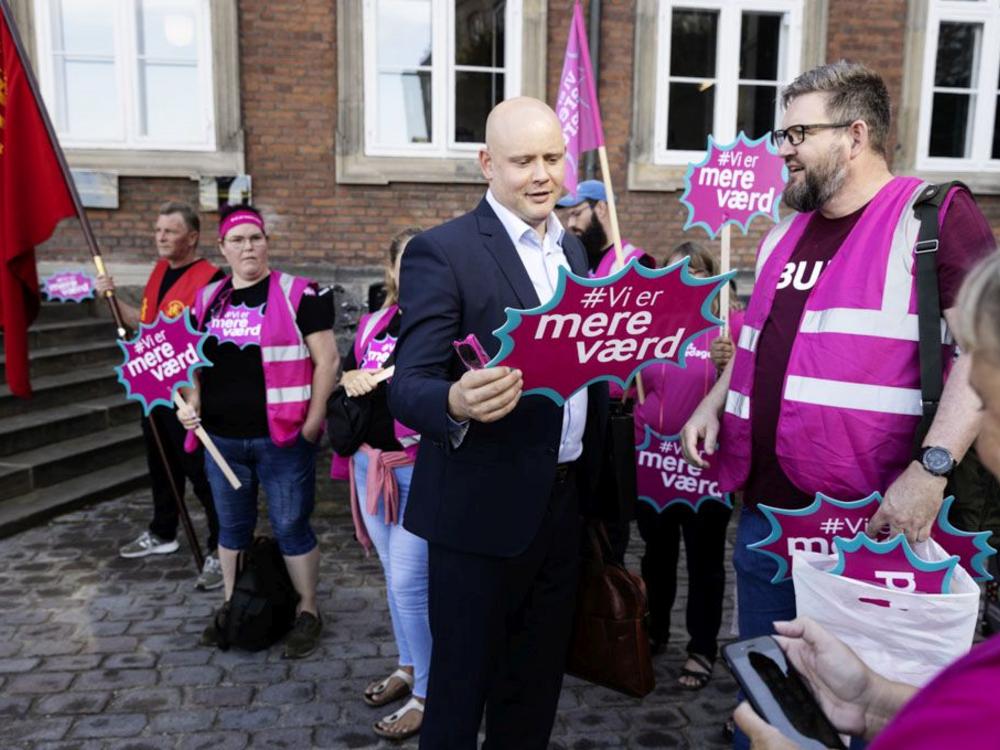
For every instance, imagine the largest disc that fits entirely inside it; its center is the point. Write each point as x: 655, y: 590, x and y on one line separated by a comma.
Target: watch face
x: 937, y: 460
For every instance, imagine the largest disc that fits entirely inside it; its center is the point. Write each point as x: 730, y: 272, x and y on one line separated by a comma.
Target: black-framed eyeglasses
x: 797, y: 133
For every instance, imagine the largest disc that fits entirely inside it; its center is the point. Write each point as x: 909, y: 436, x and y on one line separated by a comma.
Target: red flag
x: 34, y: 197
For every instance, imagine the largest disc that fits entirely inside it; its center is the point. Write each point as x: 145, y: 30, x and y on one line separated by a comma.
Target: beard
x: 818, y: 185
x: 595, y: 241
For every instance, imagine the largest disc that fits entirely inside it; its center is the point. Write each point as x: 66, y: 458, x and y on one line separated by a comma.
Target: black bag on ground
x: 262, y: 608
x: 347, y: 421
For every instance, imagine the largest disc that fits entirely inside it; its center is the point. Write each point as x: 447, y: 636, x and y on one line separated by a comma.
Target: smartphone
x: 778, y: 693
x: 471, y: 352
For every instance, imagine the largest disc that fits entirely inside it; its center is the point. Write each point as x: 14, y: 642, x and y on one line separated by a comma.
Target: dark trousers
x: 705, y: 544
x: 181, y: 466
x: 501, y: 630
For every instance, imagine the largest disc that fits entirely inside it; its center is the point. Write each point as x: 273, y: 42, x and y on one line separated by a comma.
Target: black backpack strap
x: 926, y: 209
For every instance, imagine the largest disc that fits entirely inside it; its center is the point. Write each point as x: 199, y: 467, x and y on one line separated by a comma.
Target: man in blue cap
x: 589, y: 219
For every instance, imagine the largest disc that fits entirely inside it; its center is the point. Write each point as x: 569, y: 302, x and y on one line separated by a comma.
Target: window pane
x: 92, y: 106
x: 475, y: 95
x: 692, y: 43
x: 404, y: 108
x: 756, y: 110
x: 479, y: 32
x: 760, y: 40
x: 168, y: 29
x: 996, y: 132
x: 958, y: 47
x: 950, y: 119
x: 690, y: 115
x: 171, y: 110
x: 88, y: 27
x: 404, y: 33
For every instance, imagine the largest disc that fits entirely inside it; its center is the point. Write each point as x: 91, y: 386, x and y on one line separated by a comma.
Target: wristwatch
x: 937, y: 461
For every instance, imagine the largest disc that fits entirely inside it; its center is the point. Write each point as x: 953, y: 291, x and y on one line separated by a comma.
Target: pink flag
x: 577, y: 107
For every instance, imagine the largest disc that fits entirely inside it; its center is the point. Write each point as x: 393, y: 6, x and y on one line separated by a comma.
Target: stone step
x: 59, y: 462
x: 65, y: 388
x: 54, y: 312
x: 34, y: 429
x: 113, y: 480
x: 57, y: 359
x: 60, y: 333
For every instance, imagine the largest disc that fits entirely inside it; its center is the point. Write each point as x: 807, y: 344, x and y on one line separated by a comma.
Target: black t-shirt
x: 233, y: 400
x: 381, y: 431
x: 171, y: 276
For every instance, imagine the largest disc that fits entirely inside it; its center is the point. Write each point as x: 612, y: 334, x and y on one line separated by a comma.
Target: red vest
x: 180, y: 295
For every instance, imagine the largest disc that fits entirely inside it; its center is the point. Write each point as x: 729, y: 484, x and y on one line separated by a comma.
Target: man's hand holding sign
x: 597, y: 329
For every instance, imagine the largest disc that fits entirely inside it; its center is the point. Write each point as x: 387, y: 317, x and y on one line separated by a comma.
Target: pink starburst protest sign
x: 892, y: 565
x: 664, y: 478
x: 238, y: 325
x: 819, y: 525
x: 69, y: 286
x: 607, y: 329
x: 734, y: 184
x: 159, y: 361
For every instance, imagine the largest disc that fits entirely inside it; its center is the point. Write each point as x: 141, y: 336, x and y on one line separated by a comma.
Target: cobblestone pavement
x: 100, y: 652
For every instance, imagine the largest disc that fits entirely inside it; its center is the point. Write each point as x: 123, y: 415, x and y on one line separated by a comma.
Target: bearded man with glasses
x: 823, y: 393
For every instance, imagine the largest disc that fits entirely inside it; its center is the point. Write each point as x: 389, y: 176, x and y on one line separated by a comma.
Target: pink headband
x: 239, y: 217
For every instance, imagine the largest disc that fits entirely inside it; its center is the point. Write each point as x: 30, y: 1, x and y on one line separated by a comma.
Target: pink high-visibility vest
x: 288, y: 367
x: 851, y: 394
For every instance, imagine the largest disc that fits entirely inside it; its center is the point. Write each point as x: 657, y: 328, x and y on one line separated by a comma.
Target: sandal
x: 383, y: 727
x: 700, y: 677
x: 383, y: 692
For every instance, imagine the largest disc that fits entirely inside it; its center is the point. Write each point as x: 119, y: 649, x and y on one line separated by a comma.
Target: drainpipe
x: 594, y: 24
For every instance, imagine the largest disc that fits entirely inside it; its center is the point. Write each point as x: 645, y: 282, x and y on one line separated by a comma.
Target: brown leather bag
x: 610, y: 645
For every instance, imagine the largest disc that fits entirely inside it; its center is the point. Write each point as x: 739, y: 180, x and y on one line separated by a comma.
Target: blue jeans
x: 404, y: 560
x: 288, y: 476
x: 758, y: 601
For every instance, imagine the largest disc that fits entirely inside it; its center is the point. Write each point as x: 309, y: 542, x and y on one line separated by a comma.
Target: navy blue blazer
x: 487, y: 496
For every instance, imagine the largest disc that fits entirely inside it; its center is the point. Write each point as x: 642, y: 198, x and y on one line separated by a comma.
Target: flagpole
x: 95, y: 252
x: 724, y: 292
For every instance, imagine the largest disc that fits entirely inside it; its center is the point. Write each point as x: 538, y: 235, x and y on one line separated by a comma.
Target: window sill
x: 979, y: 182
x: 192, y: 164
x: 381, y: 170
x: 656, y: 177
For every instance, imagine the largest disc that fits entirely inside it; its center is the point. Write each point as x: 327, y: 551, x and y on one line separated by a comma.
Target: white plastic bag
x: 908, y: 637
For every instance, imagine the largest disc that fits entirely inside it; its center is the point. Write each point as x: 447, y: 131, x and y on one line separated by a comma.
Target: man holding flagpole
x: 499, y: 479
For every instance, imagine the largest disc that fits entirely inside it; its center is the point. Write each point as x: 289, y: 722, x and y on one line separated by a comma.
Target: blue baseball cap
x: 588, y: 190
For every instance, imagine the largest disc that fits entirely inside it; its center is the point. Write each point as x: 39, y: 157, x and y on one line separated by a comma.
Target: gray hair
x: 190, y: 216
x: 979, y: 309
x: 855, y: 92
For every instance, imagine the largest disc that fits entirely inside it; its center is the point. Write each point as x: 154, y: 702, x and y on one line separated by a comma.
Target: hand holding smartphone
x: 778, y: 693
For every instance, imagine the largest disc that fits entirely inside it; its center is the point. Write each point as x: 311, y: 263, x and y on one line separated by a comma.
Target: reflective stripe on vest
x: 884, y: 399
x: 738, y: 404
x: 284, y: 353
x: 749, y: 338
x: 289, y: 394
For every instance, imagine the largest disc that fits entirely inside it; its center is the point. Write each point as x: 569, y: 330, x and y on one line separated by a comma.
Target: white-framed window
x: 720, y: 65
x: 433, y: 69
x: 128, y: 74
x: 959, y: 128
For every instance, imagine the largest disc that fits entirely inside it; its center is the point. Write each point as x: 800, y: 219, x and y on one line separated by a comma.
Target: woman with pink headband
x: 263, y: 402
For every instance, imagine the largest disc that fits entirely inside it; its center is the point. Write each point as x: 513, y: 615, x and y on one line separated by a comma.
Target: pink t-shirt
x: 960, y: 708
x: 672, y: 393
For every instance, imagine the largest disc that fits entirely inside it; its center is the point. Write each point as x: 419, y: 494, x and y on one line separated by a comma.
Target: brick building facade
x: 291, y: 127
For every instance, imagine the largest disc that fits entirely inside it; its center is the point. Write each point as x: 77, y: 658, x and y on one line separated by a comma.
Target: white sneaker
x: 211, y: 574
x: 148, y: 544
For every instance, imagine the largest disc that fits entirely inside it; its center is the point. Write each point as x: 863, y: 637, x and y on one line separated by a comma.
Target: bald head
x: 524, y: 158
